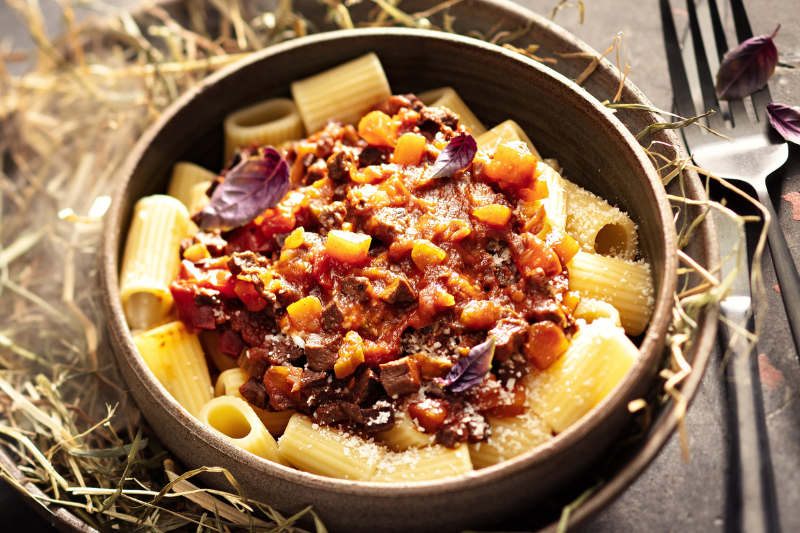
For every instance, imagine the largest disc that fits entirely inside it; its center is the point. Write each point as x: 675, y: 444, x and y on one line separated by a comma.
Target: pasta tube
x: 598, y: 357
x: 506, y: 132
x: 625, y: 285
x: 328, y: 451
x: 184, y: 178
x: 344, y: 93
x: 404, y: 434
x: 597, y: 226
x: 151, y: 259
x: 510, y: 437
x: 272, y: 122
x: 421, y: 464
x: 176, y: 358
x: 234, y: 420
x: 448, y: 97
x: 228, y: 384
x: 556, y: 202
x: 590, y: 310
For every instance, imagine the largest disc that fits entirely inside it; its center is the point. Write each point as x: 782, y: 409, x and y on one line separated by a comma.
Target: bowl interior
x: 563, y: 122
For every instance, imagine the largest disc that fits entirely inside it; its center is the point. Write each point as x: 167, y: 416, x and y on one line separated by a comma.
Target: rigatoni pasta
x: 273, y: 121
x: 338, y: 315
x: 151, y: 261
x: 175, y: 356
x: 344, y: 93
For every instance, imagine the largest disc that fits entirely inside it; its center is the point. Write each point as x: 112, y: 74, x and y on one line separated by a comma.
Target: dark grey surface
x: 671, y: 496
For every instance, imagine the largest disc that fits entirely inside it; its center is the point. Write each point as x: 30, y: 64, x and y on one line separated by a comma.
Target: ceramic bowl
x: 563, y: 121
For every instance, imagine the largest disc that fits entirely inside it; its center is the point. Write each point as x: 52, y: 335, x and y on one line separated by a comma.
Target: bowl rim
x: 650, y: 344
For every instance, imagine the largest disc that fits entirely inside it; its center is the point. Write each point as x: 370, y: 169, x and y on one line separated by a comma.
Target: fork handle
x: 752, y: 503
x: 785, y: 269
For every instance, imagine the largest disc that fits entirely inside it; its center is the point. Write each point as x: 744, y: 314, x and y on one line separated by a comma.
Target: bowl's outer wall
x: 498, y: 87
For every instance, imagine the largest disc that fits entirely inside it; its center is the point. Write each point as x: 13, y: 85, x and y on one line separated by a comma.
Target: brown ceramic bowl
x: 563, y: 121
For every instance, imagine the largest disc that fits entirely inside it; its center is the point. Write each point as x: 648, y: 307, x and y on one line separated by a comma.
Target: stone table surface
x: 671, y: 495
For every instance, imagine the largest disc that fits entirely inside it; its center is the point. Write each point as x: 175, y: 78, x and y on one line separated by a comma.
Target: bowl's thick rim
x: 650, y: 347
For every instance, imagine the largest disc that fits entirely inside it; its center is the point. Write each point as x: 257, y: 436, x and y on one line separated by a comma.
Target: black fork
x: 752, y: 502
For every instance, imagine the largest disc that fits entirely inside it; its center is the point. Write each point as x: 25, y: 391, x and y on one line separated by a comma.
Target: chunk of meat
x: 396, y: 102
x: 378, y: 418
x: 339, y: 166
x: 373, y: 156
x: 330, y: 413
x: 387, y: 223
x: 255, y: 393
x: 509, y: 335
x: 332, y: 317
x: 355, y: 287
x: 277, y: 351
x: 462, y: 426
x: 254, y: 362
x: 254, y: 327
x: 398, y: 292
x: 322, y: 350
x: 400, y: 377
x: 366, y: 388
x: 332, y: 216
x: 433, y: 120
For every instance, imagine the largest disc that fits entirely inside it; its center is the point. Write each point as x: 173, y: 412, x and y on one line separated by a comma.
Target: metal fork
x: 758, y: 150
x: 752, y: 503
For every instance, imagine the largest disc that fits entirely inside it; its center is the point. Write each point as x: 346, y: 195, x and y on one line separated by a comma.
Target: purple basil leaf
x: 746, y: 68
x: 457, y: 155
x: 253, y: 185
x: 470, y: 369
x: 785, y: 119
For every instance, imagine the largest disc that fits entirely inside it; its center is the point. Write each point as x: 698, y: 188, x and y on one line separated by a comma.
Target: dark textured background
x: 671, y: 496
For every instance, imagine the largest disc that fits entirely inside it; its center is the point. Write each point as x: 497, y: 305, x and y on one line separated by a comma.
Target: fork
x: 752, y: 503
x: 758, y: 151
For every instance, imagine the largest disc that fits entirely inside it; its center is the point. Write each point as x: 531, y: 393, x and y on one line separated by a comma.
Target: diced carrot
x: 515, y: 408
x: 196, y: 252
x: 305, y: 314
x: 563, y: 244
x: 409, y: 149
x: 480, y: 314
x: 571, y: 300
x: 546, y: 342
x: 425, y: 254
x: 295, y: 239
x: 378, y: 129
x: 430, y: 413
x: 351, y: 354
x: 348, y: 247
x: 249, y: 296
x: 536, y: 190
x: 495, y: 215
x: 537, y: 255
x: 512, y: 165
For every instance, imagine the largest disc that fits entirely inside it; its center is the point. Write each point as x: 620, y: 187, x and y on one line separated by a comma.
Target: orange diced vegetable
x: 351, y: 354
x: 571, y: 300
x: 378, y: 129
x: 430, y: 413
x: 491, y: 396
x: 432, y: 367
x: 512, y: 165
x: 295, y: 239
x: 368, y: 175
x: 537, y: 255
x: 536, y: 190
x: 515, y: 405
x: 249, y: 296
x: 305, y: 314
x: 348, y: 247
x: 546, y: 342
x: 425, y: 254
x: 533, y: 216
x: 409, y: 150
x: 496, y: 216
x: 480, y: 314
x: 196, y: 252
x: 563, y: 244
